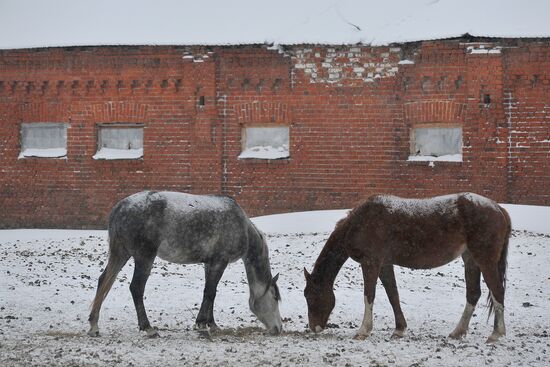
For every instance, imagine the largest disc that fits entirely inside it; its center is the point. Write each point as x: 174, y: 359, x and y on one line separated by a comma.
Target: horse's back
x: 465, y: 203
x: 181, y: 227
x: 422, y: 233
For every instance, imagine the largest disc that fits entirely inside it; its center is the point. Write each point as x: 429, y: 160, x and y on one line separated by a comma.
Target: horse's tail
x: 503, y: 261
x: 118, y: 257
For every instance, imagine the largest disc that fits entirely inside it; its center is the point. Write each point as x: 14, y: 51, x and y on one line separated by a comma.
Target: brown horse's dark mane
x: 334, y: 244
x: 333, y: 255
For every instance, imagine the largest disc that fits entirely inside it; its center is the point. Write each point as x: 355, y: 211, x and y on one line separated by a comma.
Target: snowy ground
x: 48, y: 279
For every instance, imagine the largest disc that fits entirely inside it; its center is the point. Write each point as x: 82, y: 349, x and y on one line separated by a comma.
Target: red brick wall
x: 350, y: 111
x: 527, y: 109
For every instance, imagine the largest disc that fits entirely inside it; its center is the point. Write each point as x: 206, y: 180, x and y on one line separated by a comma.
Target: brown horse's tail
x: 503, y: 261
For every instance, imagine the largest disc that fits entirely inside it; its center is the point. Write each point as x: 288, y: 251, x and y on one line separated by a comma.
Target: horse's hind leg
x: 472, y: 275
x: 106, y: 279
x: 212, y: 274
x: 387, y: 277
x: 142, y: 270
x: 495, y: 284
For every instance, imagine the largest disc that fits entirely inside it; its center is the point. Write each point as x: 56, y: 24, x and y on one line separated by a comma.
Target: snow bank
x: 529, y: 217
x: 524, y: 217
x: 300, y: 222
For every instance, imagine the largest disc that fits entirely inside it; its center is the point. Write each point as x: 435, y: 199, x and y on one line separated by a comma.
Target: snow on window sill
x: 112, y: 154
x: 265, y: 152
x: 431, y: 159
x: 43, y: 153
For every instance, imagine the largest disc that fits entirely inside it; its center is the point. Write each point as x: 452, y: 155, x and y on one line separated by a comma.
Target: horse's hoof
x: 93, y: 333
x: 200, y: 327
x: 213, y: 328
x: 493, y: 338
x: 398, y: 334
x: 152, y: 333
x: 360, y: 337
x: 205, y: 334
x: 457, y: 335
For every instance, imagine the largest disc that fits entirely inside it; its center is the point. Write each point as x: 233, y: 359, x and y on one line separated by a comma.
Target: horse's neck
x: 256, y: 263
x: 330, y: 261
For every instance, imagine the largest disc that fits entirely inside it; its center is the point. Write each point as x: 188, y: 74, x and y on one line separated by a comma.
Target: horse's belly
x: 432, y: 257
x: 190, y: 252
x: 178, y: 254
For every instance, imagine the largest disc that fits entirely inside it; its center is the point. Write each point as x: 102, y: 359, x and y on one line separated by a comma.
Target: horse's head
x: 320, y: 302
x: 266, y: 307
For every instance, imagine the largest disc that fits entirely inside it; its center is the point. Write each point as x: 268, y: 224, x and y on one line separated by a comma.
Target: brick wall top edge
x: 156, y: 48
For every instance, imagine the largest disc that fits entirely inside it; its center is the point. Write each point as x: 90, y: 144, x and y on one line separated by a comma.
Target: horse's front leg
x: 213, y: 273
x: 371, y: 272
x: 387, y: 277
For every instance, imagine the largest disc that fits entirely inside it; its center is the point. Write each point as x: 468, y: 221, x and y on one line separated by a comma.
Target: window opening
x: 265, y: 142
x: 43, y: 140
x: 436, y: 144
x: 119, y: 141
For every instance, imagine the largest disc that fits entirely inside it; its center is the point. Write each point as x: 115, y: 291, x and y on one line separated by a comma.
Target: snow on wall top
x: 39, y: 23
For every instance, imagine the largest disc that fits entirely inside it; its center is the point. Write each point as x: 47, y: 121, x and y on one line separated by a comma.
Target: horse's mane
x: 354, y: 212
x: 333, y: 252
x: 334, y: 245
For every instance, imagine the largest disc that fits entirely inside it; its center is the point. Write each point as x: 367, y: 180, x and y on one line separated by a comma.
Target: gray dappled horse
x: 185, y: 229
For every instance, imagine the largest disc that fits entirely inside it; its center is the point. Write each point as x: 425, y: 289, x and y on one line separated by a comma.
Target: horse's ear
x: 275, y: 278
x: 306, y: 274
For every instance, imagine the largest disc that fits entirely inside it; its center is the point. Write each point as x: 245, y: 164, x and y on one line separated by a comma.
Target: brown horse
x: 420, y: 234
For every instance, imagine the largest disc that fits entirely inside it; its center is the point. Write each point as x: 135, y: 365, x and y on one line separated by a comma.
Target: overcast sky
x: 40, y: 23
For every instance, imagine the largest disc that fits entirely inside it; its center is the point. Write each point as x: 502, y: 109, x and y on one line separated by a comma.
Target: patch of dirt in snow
x: 46, y: 287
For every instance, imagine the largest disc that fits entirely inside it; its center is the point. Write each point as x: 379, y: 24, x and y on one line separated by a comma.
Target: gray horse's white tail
x: 116, y: 262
